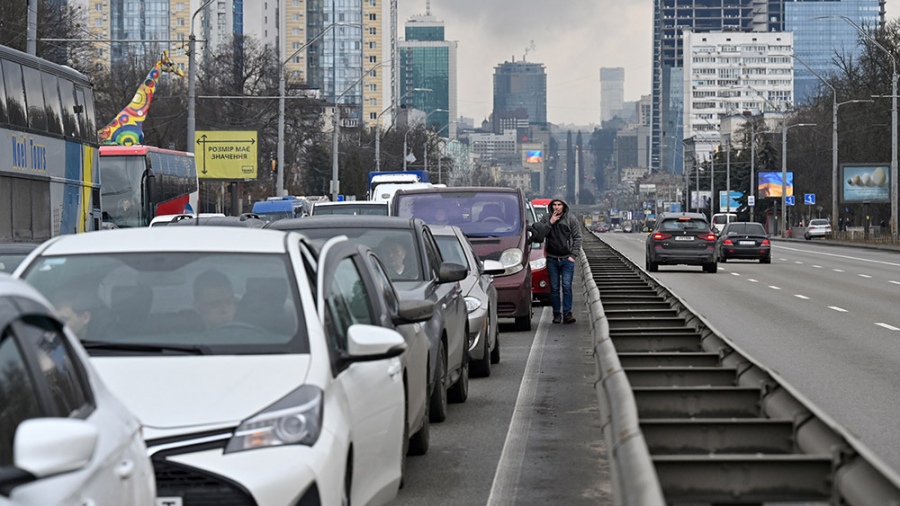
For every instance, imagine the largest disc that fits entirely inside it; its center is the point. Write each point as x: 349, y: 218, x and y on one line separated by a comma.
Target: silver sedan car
x: 480, y: 295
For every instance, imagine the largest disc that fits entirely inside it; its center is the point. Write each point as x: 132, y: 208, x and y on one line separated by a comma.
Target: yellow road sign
x: 226, y: 154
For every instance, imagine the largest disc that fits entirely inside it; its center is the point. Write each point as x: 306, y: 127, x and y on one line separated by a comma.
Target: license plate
x: 169, y: 501
x: 747, y: 243
x: 684, y: 238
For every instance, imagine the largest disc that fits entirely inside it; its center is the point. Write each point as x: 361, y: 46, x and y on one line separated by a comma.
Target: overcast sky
x: 572, y: 38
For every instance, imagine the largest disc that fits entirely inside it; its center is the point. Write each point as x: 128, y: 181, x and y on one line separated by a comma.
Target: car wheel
x: 495, y: 353
x: 482, y: 368
x: 711, y: 267
x: 438, y: 407
x: 524, y: 322
x: 765, y: 260
x: 651, y: 266
x: 723, y: 259
x: 807, y: 237
x: 421, y: 440
x: 459, y: 392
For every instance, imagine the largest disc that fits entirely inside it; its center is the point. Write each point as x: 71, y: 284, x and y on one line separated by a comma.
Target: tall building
x: 612, y: 92
x: 520, y: 87
x: 428, y: 62
x: 813, y: 39
x: 728, y: 73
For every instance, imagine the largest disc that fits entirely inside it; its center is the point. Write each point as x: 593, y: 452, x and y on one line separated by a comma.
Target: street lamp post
x: 378, y: 126
x: 192, y: 77
x: 894, y: 77
x: 784, y: 130
x: 425, y: 153
x: 336, y: 131
x: 834, y: 140
x: 752, y: 162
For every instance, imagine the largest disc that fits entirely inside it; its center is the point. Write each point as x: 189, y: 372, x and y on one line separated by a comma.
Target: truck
x: 395, y: 177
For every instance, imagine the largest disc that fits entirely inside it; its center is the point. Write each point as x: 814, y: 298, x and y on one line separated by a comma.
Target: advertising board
x: 865, y: 183
x: 770, y: 184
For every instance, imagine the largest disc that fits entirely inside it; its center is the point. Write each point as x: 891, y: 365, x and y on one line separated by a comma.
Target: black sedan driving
x: 744, y: 240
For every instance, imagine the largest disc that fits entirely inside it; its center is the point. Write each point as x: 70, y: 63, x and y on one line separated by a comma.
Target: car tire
x: 495, y: 353
x: 482, y: 368
x: 651, y: 266
x: 807, y: 237
x: 459, y: 392
x: 421, y: 440
x: 438, y: 403
x: 524, y: 322
x: 723, y: 259
x: 765, y: 260
x: 711, y: 267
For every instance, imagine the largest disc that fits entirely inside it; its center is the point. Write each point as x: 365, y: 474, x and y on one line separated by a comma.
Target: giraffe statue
x: 125, y: 129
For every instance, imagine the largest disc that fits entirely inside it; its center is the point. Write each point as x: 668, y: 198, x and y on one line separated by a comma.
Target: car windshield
x: 478, y: 214
x: 9, y: 262
x: 353, y: 209
x: 217, y: 303
x: 745, y: 229
x: 384, y: 241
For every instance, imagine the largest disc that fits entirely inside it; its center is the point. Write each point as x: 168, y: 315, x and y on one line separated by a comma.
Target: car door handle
x: 125, y: 469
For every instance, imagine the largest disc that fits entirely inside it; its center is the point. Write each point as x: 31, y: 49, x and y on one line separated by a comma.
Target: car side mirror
x: 414, y: 311
x: 493, y: 267
x: 450, y: 272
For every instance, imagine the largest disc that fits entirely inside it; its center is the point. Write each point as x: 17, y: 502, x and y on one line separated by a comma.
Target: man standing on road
x: 563, y: 234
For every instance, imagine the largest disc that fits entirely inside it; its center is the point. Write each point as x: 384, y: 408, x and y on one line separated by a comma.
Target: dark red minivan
x: 494, y: 220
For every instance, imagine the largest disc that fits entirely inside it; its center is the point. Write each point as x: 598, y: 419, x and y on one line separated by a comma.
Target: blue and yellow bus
x: 49, y: 183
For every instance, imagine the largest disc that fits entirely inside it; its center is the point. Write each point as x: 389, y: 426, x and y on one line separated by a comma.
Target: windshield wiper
x: 146, y: 347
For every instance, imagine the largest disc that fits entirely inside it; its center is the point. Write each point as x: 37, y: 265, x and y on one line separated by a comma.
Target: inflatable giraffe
x: 126, y: 129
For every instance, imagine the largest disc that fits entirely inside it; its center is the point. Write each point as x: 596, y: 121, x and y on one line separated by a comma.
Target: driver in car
x: 214, y: 299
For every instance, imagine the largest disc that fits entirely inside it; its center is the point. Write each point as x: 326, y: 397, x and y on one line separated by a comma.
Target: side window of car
x: 19, y: 399
x: 391, y: 300
x: 347, y: 302
x: 433, y: 253
x: 66, y: 382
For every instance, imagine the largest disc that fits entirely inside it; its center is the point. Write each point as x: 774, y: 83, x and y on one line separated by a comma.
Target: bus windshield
x: 120, y: 193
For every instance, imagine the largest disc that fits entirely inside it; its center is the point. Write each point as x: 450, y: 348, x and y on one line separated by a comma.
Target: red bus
x: 138, y: 183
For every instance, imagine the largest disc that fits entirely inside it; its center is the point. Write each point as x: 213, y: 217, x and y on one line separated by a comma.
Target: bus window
x: 34, y: 97
x: 3, y: 117
x: 52, y: 105
x: 15, y: 93
x: 70, y: 121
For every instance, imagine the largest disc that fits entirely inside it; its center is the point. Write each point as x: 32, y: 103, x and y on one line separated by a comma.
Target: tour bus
x: 49, y: 184
x: 141, y: 182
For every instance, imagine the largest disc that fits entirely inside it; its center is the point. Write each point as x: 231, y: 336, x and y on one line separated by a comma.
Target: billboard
x: 770, y: 184
x: 865, y: 183
x: 226, y: 154
x: 735, y: 200
x: 534, y: 156
x: 700, y: 199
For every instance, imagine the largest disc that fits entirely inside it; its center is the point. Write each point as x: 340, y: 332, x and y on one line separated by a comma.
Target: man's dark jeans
x: 560, y: 269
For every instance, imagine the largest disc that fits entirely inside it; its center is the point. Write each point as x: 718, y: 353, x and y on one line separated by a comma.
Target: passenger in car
x: 214, y: 299
x: 75, y: 309
x: 393, y: 254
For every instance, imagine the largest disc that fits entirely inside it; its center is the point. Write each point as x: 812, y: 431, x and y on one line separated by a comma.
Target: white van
x: 719, y: 220
x: 385, y: 192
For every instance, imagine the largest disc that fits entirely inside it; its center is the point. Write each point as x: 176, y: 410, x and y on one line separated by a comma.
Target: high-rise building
x: 612, y: 92
x: 814, y: 40
x: 428, y: 62
x: 520, y: 86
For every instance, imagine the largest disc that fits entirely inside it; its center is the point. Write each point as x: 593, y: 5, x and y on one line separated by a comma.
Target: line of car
x: 288, y: 365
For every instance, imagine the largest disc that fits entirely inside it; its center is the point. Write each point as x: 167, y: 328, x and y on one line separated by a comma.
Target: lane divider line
x: 804, y: 297
x: 889, y: 327
x: 838, y: 309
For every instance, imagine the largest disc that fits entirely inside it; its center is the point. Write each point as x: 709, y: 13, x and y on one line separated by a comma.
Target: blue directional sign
x: 789, y: 200
x: 809, y: 199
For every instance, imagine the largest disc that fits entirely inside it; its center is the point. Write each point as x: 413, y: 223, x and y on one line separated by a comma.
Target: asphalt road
x: 824, y: 318
x: 528, y: 434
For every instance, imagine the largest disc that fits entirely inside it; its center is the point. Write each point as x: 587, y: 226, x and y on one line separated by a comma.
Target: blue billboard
x: 865, y: 183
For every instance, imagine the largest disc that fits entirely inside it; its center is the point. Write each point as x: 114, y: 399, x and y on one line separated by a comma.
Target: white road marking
x: 864, y: 276
x: 817, y: 266
x: 838, y: 309
x: 889, y: 327
x: 735, y: 273
x: 753, y: 280
x: 894, y: 282
x: 835, y: 255
x: 804, y: 297
x: 798, y: 262
x: 773, y: 287
x: 506, y: 478
x: 838, y: 270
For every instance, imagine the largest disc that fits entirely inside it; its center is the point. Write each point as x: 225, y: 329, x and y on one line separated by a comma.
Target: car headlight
x: 472, y: 304
x: 540, y: 263
x: 511, y: 257
x: 295, y: 419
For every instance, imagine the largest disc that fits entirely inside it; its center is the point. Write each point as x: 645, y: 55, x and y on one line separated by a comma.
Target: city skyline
x: 572, y: 38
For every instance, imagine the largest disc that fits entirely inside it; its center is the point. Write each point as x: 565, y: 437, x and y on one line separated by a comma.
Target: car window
x: 478, y: 214
x: 379, y: 240
x: 675, y: 225
x: 451, y: 249
x: 818, y: 222
x: 384, y: 284
x: 745, y: 229
x: 225, y: 303
x: 432, y: 254
x: 18, y: 396
x: 347, y: 302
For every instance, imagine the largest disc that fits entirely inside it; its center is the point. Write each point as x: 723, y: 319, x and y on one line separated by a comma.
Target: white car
x: 817, y: 228
x: 250, y: 358
x: 64, y: 438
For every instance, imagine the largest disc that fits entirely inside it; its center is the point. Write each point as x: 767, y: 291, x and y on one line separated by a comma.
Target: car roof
x: 222, y: 221
x: 353, y: 202
x: 343, y: 221
x: 169, y: 239
x: 460, y: 189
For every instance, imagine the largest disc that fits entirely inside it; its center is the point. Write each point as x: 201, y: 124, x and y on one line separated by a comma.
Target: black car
x: 681, y: 238
x: 742, y: 239
x: 424, y: 276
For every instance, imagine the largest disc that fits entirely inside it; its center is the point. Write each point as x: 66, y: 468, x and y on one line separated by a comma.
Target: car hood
x: 490, y: 248
x: 171, y: 394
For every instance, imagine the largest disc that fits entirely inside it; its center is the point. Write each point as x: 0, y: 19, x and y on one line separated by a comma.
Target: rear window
x: 682, y: 224
x: 745, y: 229
x: 818, y: 222
x: 478, y: 214
x: 352, y: 209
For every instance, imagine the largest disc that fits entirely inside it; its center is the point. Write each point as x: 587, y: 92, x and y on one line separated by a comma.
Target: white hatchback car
x: 245, y: 354
x: 64, y: 438
x: 817, y: 228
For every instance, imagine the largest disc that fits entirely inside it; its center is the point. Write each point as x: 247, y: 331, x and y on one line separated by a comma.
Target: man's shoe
x: 557, y: 317
x: 569, y: 318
